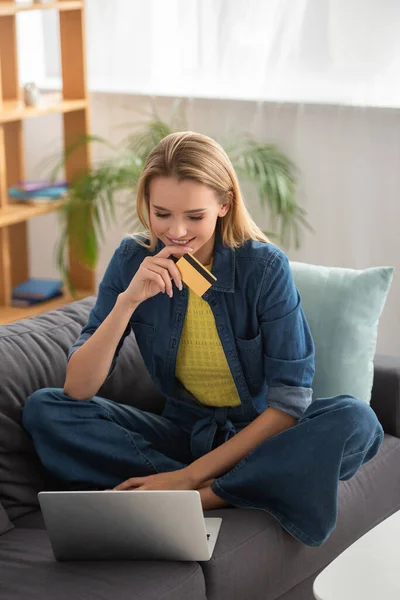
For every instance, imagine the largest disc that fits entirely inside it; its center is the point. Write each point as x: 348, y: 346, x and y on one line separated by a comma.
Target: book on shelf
x: 36, y: 289
x: 38, y: 192
x: 19, y: 303
x: 41, y: 196
x: 39, y: 184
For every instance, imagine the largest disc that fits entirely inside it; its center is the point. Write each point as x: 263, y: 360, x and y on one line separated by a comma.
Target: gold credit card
x: 194, y: 274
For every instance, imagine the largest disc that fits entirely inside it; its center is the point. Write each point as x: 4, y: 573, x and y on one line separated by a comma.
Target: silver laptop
x: 128, y: 525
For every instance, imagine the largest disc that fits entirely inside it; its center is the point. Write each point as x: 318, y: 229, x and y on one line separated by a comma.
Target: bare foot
x: 209, y: 500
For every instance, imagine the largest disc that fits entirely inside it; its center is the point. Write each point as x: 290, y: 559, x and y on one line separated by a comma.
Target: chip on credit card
x: 194, y: 274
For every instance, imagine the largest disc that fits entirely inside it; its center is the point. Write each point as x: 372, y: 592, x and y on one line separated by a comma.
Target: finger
x: 169, y: 264
x: 125, y: 488
x: 168, y: 250
x: 132, y: 482
x: 164, y: 273
x: 156, y: 278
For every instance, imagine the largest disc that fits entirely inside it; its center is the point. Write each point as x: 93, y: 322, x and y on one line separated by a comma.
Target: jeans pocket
x: 251, y: 359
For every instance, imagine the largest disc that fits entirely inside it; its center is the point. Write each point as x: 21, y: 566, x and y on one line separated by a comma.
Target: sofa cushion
x: 343, y: 307
x: 5, y: 523
x: 385, y: 399
x: 31, y: 520
x: 252, y: 538
x: 29, y: 570
x: 32, y: 356
x: 255, y: 558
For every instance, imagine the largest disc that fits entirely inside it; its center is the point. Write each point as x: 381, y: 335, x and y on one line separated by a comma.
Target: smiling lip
x: 180, y: 244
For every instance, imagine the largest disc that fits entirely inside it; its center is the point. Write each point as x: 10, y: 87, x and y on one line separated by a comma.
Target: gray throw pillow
x: 33, y: 355
x: 5, y: 523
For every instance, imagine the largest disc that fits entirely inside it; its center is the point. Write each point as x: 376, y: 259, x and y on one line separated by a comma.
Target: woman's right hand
x: 155, y: 275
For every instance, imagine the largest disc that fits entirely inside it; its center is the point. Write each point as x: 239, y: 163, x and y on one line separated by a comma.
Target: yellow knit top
x: 201, y: 363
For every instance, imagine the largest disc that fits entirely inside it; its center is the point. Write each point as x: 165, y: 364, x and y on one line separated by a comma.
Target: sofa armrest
x: 385, y: 399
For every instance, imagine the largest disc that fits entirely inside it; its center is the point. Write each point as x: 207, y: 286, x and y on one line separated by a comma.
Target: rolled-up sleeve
x: 287, y: 343
x: 109, y: 289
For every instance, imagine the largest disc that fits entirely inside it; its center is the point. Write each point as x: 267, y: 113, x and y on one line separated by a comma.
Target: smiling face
x: 185, y: 213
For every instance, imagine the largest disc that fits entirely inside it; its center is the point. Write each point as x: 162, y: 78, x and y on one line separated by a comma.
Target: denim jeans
x: 293, y: 475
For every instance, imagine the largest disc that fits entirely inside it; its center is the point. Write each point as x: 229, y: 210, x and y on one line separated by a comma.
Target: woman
x: 235, y: 366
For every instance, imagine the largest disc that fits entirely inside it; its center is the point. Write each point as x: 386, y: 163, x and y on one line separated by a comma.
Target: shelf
x: 19, y: 212
x: 70, y: 102
x: 11, y: 8
x: 8, y: 314
x: 14, y: 110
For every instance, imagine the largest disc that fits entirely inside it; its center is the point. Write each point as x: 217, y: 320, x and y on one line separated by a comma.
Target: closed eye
x: 165, y: 215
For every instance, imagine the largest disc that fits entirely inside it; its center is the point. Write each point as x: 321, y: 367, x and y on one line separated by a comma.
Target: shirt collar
x: 223, y: 266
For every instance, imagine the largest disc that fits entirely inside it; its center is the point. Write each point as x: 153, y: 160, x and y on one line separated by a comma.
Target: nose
x: 177, y: 231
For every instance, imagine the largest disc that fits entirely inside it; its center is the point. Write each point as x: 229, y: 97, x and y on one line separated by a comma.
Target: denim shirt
x: 258, y: 315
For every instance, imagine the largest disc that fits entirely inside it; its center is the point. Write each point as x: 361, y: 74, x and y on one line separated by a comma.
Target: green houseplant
x: 90, y: 206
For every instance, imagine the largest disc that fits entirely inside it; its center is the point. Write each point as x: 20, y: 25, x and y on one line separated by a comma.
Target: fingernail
x: 180, y: 286
x: 170, y: 293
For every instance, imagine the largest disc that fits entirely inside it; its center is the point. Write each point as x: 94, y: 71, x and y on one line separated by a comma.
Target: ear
x: 223, y: 209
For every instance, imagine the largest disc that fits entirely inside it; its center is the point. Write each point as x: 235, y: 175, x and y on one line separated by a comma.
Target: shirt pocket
x: 145, y: 335
x: 251, y: 358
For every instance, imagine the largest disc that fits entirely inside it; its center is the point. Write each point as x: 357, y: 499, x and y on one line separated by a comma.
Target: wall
x: 349, y: 159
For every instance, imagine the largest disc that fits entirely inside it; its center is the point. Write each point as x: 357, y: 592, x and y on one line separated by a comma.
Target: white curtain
x: 318, y: 51
x: 341, y: 51
x: 32, y: 62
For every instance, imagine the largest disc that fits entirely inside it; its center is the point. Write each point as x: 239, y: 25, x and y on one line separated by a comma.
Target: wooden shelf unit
x: 14, y: 110
x: 14, y: 213
x: 73, y: 105
x: 11, y: 8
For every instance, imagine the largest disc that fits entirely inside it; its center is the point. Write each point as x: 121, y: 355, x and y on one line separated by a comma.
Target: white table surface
x: 368, y: 570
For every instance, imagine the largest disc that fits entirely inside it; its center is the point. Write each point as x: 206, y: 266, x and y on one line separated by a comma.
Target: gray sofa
x: 254, y: 557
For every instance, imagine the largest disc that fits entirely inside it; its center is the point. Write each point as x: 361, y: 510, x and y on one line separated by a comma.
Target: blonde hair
x: 188, y: 155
